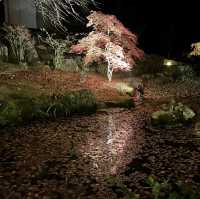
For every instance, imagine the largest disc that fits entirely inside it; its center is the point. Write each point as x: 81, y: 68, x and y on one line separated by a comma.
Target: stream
x: 73, y: 157
x: 98, y: 146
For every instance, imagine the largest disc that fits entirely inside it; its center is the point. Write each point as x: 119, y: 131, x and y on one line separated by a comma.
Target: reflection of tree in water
x: 111, y: 132
x: 113, y: 143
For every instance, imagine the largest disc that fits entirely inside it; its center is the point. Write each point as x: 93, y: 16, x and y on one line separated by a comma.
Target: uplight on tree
x: 109, y: 42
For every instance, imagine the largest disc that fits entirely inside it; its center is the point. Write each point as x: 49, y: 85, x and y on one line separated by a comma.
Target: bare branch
x: 56, y: 12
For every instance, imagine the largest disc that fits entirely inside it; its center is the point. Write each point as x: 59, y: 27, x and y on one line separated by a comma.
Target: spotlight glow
x: 169, y: 63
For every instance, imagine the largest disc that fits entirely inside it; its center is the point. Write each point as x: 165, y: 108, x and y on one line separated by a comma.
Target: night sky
x: 1, y: 12
x: 163, y: 28
x: 166, y: 29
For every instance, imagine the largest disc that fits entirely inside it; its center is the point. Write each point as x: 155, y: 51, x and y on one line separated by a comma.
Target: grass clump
x: 21, y: 44
x: 17, y: 108
x: 124, y: 89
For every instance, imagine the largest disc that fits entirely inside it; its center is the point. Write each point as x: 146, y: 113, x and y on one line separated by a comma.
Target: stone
x: 162, y: 118
x: 172, y: 115
x: 188, y: 113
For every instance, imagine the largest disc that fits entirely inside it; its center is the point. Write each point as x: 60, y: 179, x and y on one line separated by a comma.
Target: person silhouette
x: 138, y: 93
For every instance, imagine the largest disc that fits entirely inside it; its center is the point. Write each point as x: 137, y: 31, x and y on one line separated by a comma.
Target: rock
x: 162, y: 118
x: 172, y: 115
x: 188, y: 113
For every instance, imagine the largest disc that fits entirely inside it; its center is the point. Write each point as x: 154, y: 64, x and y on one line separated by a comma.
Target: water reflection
x: 97, y: 145
x: 114, y: 143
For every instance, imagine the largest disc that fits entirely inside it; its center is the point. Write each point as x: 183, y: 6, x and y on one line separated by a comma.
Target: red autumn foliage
x: 109, y: 31
x: 118, y: 33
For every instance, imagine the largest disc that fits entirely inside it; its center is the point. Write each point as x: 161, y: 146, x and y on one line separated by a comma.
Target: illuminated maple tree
x: 109, y: 42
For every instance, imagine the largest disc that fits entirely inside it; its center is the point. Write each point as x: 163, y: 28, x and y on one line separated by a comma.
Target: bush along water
x: 20, y: 108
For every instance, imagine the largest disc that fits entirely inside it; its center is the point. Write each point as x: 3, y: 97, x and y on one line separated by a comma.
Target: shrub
x: 9, y: 114
x: 58, y: 48
x: 180, y: 72
x: 155, y: 66
x: 109, y: 42
x: 158, y: 190
x: 171, y: 190
x: 151, y: 65
x: 21, y: 43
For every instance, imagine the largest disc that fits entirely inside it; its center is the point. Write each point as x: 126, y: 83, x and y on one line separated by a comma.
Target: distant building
x: 22, y: 12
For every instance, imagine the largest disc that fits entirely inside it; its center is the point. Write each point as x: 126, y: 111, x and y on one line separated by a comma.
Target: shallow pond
x: 97, y: 146
x: 75, y: 157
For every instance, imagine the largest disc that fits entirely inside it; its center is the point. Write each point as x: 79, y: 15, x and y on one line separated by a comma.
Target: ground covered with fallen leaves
x: 57, y: 82
x: 80, y: 157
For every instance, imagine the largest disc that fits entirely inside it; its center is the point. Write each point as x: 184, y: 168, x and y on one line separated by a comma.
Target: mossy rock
x: 164, y: 118
x: 172, y: 115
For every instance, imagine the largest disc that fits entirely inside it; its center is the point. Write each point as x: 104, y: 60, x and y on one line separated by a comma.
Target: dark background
x: 165, y: 28
x: 1, y: 12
